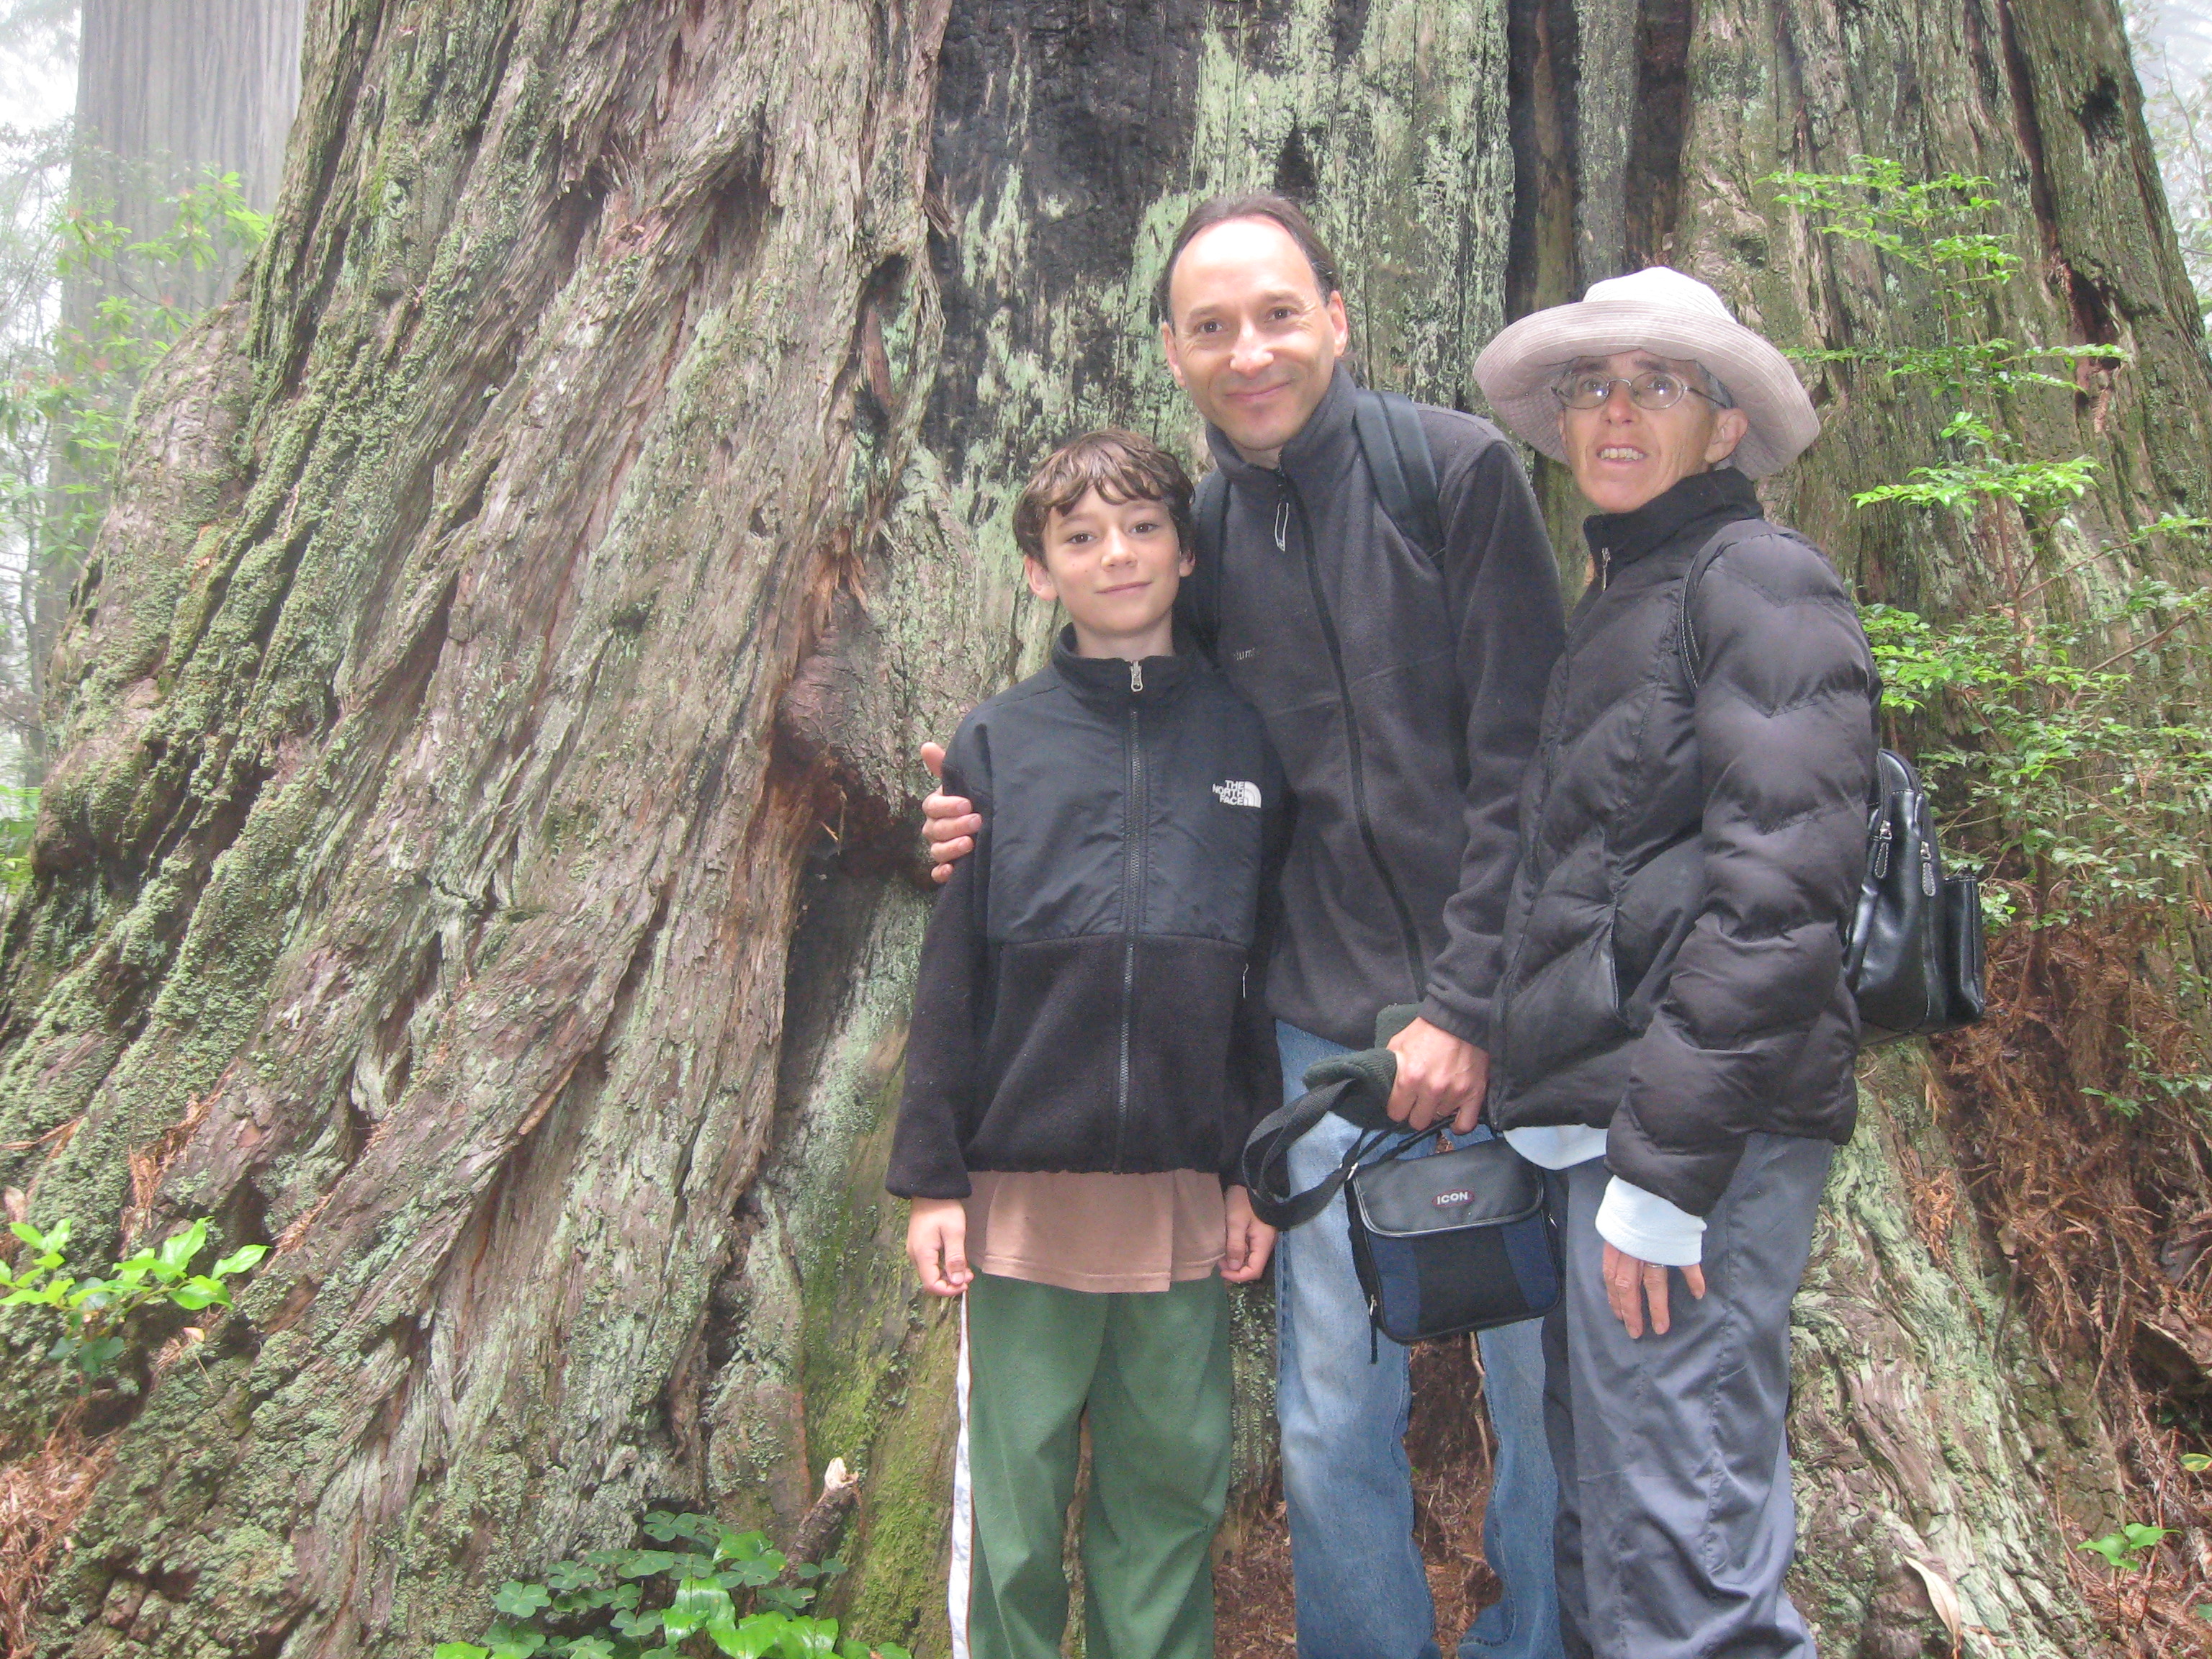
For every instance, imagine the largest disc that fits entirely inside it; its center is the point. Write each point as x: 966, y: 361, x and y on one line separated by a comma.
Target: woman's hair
x: 1219, y: 211
x: 1121, y: 466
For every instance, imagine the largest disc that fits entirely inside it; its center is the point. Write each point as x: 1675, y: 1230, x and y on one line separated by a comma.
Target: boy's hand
x: 950, y: 823
x: 1249, y: 1241
x: 936, y: 1244
x: 1439, y: 1076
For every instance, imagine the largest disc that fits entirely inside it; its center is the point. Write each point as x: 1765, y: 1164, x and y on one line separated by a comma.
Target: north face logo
x: 1234, y: 793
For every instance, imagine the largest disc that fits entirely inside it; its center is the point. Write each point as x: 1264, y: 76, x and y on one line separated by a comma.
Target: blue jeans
x: 1361, y: 1593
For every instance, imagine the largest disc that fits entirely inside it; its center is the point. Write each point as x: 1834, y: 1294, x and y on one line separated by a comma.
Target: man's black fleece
x: 1401, y: 690
x: 1089, y: 997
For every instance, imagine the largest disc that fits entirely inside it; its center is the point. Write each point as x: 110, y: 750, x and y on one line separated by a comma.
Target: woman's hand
x: 1630, y: 1283
x: 950, y: 823
x: 936, y: 1244
x: 1249, y: 1241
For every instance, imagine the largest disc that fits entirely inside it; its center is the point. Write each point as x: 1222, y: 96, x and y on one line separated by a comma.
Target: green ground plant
x: 97, y: 1314
x: 704, y: 1588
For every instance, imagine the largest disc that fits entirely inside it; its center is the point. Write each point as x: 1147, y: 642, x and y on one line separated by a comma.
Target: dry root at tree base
x: 42, y: 1496
x: 1449, y: 1442
x: 2101, y: 1202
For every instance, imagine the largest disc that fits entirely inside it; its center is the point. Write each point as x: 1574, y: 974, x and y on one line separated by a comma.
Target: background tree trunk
x: 483, y: 861
x: 167, y: 92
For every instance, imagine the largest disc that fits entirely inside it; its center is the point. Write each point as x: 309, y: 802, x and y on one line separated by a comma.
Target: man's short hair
x: 1219, y: 211
x: 1121, y: 466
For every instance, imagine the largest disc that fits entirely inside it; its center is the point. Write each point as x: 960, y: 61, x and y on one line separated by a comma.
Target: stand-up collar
x: 1108, y: 683
x: 1318, y: 458
x: 1721, y: 496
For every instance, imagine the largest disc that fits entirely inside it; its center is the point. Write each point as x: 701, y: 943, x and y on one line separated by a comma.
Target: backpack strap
x: 1404, y: 469
x: 1399, y: 461
x: 1209, y: 516
x: 1693, y: 654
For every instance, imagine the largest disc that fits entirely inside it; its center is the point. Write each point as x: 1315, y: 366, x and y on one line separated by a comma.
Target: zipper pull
x: 1136, y: 677
x: 1604, y: 568
x: 1882, y: 839
x: 1927, y: 870
x: 1282, y: 526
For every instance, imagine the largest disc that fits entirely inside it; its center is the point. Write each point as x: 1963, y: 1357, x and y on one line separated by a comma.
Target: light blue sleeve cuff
x: 1646, y: 1226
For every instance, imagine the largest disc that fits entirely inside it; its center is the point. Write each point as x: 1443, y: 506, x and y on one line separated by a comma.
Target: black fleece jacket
x: 1692, y: 846
x: 1088, y: 998
x: 1401, y: 691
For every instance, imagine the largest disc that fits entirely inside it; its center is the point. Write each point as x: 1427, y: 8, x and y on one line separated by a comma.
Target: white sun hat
x: 1660, y: 311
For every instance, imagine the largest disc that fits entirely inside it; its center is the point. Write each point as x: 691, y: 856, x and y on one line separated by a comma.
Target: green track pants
x: 1152, y: 1370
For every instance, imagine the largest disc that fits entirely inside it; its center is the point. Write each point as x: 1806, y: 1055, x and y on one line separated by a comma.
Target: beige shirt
x: 1096, y: 1232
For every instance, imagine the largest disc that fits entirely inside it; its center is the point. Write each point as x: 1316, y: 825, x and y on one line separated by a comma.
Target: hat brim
x: 1518, y: 370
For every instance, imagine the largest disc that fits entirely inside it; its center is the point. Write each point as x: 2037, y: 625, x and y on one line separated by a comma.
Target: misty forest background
x: 492, y: 494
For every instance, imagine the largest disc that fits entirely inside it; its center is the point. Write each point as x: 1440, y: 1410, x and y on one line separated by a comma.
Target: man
x: 1401, y: 686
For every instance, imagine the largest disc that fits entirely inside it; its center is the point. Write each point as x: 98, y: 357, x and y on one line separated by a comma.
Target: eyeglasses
x: 1653, y: 389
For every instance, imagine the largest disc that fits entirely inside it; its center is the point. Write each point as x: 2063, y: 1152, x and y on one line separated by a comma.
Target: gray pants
x: 1675, y: 1519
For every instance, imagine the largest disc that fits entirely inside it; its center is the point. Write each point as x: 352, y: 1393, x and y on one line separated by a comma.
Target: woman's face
x: 1624, y: 455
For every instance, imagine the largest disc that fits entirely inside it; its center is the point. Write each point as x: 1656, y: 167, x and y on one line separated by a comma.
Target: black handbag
x: 1444, y: 1242
x: 1452, y: 1240
x: 1913, y: 958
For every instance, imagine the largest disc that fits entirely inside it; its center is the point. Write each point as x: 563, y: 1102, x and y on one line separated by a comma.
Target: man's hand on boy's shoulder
x: 950, y: 823
x: 1247, y: 1241
x: 936, y: 1244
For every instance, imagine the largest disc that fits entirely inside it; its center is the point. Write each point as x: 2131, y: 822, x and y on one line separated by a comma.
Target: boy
x: 1089, y: 1048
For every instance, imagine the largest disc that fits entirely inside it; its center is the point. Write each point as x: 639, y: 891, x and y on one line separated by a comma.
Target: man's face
x: 1250, y: 336
x: 1624, y: 455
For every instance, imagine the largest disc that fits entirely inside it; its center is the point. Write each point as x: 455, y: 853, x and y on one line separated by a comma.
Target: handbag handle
x: 1266, y: 1161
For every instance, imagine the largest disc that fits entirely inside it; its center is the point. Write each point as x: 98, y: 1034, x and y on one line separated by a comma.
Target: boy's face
x: 1116, y: 566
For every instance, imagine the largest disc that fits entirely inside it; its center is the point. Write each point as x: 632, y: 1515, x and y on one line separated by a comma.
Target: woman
x: 1672, y: 1030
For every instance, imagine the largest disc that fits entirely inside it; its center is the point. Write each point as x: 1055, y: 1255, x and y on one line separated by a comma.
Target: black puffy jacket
x: 1088, y: 999
x: 1691, y: 852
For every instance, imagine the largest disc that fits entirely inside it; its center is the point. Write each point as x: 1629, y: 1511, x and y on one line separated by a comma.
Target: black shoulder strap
x: 1693, y: 654
x: 1399, y: 461
x: 1266, y: 1160
x: 1209, y: 513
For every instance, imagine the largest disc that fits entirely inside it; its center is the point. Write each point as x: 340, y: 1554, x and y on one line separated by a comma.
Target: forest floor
x: 1448, y: 1441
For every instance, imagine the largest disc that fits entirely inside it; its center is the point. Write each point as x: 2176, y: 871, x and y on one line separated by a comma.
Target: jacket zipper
x: 1133, y: 841
x: 1408, y: 939
x: 1500, y: 1070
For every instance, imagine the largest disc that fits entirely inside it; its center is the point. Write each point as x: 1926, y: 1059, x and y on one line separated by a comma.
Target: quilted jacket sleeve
x: 1786, y: 743
x: 1504, y: 590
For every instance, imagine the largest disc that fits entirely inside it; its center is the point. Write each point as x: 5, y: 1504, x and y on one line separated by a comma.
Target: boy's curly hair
x: 1121, y: 466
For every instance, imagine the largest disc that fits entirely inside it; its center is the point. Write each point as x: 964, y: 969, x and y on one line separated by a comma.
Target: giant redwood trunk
x: 482, y: 863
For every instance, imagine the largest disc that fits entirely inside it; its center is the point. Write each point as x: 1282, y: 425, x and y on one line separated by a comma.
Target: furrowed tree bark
x: 484, y: 864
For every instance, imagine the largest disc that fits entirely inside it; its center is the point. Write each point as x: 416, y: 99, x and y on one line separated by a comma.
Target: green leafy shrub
x: 709, y: 1589
x: 95, y: 1314
x: 2054, y: 763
